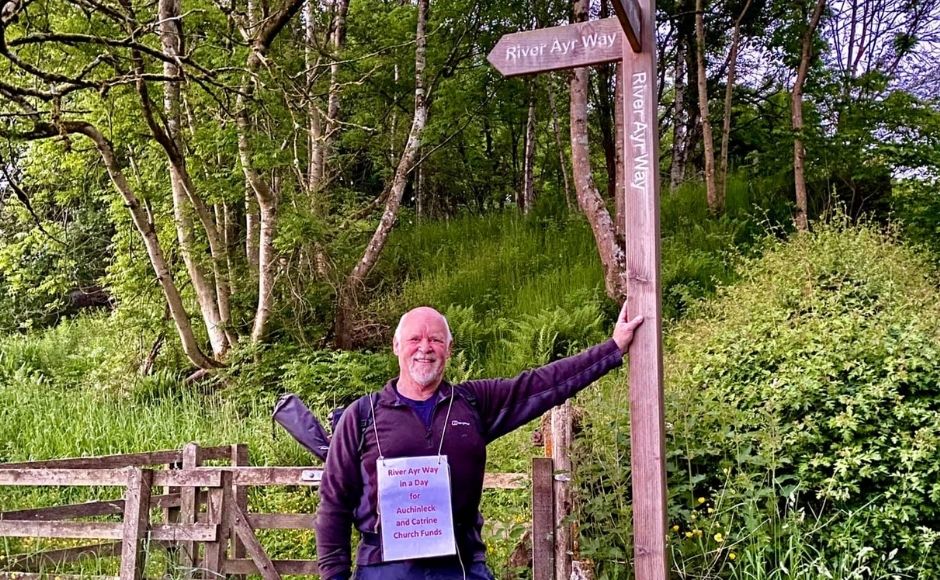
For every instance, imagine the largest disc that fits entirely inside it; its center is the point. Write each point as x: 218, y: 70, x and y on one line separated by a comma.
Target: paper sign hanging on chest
x: 415, y: 507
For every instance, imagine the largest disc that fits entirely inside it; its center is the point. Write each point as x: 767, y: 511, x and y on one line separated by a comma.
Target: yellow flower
x: 719, y: 538
x: 688, y: 534
x: 675, y: 528
x: 732, y: 556
x: 711, y: 510
x: 697, y: 532
x: 693, y: 516
x: 701, y: 500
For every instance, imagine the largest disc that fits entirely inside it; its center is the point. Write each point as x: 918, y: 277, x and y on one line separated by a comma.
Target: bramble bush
x: 803, y: 420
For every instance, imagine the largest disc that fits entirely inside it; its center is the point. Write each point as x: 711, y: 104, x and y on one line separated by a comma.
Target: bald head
x: 422, y: 311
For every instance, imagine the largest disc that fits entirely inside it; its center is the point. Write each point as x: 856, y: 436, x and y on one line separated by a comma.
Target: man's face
x: 422, y: 347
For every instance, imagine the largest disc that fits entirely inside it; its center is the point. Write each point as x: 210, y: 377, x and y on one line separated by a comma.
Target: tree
x: 715, y: 203
x: 729, y: 95
x: 352, y: 285
x: 799, y: 151
x: 589, y: 199
x: 93, y: 74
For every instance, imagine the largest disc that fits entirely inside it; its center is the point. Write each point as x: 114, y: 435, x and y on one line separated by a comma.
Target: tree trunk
x: 729, y: 93
x: 251, y: 229
x: 212, y: 298
x: 337, y: 42
x: 315, y: 139
x: 528, y: 179
x: 144, y: 224
x: 606, y: 112
x: 420, y: 210
x: 589, y: 199
x: 562, y: 158
x: 680, y: 119
x: 261, y: 33
x: 799, y: 152
x: 714, y: 202
x: 352, y: 286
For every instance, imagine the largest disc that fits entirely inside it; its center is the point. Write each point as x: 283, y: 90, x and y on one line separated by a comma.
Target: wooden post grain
x: 240, y: 494
x: 189, y: 507
x: 561, y: 482
x: 543, y: 519
x: 647, y: 432
x: 219, y: 512
x: 253, y: 546
x: 136, y: 522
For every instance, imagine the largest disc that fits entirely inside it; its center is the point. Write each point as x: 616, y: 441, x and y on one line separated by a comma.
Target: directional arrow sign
x: 545, y: 49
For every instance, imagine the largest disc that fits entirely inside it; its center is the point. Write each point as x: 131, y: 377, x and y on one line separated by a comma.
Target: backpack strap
x: 364, y: 412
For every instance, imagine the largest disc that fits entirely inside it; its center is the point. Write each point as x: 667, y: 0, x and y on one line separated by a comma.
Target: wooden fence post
x: 136, y: 522
x: 561, y: 455
x: 189, y: 507
x: 240, y: 495
x: 543, y: 519
x: 219, y: 512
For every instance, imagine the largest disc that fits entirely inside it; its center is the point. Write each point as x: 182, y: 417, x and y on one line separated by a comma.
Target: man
x: 420, y: 421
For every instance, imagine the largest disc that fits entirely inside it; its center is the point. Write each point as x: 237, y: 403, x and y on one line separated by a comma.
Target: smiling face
x: 422, y: 345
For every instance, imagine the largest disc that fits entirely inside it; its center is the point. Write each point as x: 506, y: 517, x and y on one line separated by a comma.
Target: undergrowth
x: 803, y: 421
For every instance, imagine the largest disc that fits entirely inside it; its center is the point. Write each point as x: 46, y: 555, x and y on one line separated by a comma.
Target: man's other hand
x: 623, y: 330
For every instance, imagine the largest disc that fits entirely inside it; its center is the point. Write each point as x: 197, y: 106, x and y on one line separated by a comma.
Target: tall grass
x: 508, y: 268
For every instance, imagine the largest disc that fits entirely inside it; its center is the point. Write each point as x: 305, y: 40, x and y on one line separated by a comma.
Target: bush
x: 823, y: 365
x: 323, y: 379
x: 805, y: 395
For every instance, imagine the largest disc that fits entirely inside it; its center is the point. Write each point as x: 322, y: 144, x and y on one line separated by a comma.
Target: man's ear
x: 395, y: 346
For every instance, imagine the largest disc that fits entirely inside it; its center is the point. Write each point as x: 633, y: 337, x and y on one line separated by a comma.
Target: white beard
x: 425, y: 374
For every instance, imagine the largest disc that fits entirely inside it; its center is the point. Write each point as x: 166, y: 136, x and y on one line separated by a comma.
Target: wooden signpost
x: 634, y: 43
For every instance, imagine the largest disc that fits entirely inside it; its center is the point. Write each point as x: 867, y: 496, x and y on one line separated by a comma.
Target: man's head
x: 422, y: 344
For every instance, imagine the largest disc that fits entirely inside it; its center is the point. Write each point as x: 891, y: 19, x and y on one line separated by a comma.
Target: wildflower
x: 732, y: 556
x: 688, y: 534
x: 711, y: 510
x: 719, y: 538
x: 701, y: 500
x: 675, y: 528
x: 697, y: 532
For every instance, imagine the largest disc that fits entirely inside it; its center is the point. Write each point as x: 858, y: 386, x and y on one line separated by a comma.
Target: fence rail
x: 206, y: 524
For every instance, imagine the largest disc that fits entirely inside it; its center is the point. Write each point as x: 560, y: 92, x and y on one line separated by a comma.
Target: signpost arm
x: 641, y: 184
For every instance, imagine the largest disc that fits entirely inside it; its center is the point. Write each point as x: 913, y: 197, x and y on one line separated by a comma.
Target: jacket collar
x: 389, y: 394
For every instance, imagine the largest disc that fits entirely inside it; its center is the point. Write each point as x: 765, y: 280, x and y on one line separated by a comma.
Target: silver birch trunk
x: 148, y: 232
x: 589, y: 199
x: 208, y: 295
x: 680, y: 120
x: 260, y: 35
x: 528, y: 170
x: 352, y: 286
x: 708, y: 144
x: 729, y: 93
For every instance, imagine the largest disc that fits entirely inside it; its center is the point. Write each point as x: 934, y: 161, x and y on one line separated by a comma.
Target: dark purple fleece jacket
x: 348, y: 490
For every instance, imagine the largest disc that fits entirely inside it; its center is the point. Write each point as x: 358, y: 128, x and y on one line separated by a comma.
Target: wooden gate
x: 204, y: 519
